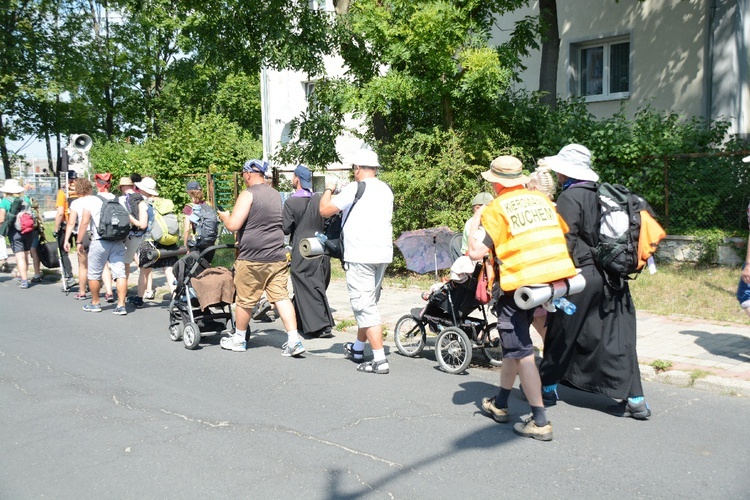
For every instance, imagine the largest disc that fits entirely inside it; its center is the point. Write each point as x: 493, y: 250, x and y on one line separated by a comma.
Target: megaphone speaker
x: 81, y: 142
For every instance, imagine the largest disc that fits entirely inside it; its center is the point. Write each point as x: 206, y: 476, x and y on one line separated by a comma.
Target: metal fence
x: 696, y: 191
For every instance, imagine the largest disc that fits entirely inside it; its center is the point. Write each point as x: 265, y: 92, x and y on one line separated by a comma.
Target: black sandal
x: 353, y: 354
x: 373, y: 367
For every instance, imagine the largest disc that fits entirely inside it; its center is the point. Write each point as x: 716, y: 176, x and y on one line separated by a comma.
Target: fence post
x: 666, y: 194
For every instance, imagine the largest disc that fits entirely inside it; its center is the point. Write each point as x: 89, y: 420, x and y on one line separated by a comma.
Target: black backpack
x: 207, y: 226
x: 619, y: 229
x: 114, y: 220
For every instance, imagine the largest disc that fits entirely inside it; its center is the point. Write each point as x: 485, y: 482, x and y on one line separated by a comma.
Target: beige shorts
x: 251, y: 279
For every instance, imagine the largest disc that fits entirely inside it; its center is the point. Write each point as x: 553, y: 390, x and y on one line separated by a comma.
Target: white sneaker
x: 149, y: 295
x: 292, y: 350
x: 230, y: 344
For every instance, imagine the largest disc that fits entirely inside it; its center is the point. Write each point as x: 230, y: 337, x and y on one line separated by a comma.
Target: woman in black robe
x: 310, y: 277
x: 594, y: 349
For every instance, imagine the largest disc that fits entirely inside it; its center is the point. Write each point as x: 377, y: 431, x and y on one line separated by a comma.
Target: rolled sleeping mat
x: 528, y: 297
x: 311, y: 247
x: 155, y: 253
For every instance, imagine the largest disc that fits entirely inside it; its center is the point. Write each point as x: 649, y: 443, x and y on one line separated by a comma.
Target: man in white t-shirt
x: 368, y: 249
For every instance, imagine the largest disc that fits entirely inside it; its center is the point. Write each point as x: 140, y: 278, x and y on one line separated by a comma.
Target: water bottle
x: 322, y: 238
x: 565, y: 305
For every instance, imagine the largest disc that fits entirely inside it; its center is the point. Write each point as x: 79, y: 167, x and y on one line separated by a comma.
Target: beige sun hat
x: 148, y: 186
x: 506, y: 171
x: 12, y: 186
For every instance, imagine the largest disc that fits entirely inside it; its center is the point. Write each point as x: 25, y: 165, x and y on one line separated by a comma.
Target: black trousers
x: 64, y: 259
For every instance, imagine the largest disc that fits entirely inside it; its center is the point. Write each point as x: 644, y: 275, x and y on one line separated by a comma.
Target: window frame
x: 576, y: 81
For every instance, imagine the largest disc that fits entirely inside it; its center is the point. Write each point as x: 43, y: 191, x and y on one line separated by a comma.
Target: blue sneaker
x: 292, y: 350
x: 120, y: 311
x: 92, y: 308
x: 24, y: 284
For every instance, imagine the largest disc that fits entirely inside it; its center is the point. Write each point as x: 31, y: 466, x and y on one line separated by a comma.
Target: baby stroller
x: 202, y: 299
x: 451, y: 312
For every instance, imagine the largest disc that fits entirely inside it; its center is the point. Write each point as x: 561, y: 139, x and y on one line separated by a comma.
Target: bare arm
x: 186, y: 231
x: 477, y: 249
x: 2, y: 215
x: 235, y: 220
x: 327, y: 207
x: 142, y: 221
x: 72, y: 218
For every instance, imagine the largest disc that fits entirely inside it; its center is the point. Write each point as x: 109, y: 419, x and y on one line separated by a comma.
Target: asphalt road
x: 102, y: 406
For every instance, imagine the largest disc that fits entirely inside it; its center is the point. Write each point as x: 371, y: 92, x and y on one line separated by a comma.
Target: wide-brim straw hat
x: 506, y: 171
x: 574, y: 162
x: 12, y: 186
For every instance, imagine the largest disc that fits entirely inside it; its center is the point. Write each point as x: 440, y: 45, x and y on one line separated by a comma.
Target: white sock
x: 358, y: 346
x: 292, y: 337
x: 379, y: 355
x: 239, y: 335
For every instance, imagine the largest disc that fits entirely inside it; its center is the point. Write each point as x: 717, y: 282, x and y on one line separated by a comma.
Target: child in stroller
x: 202, y: 295
x: 452, y: 313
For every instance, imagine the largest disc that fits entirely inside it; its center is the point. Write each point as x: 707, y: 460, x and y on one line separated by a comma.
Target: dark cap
x: 305, y: 177
x: 72, y: 175
x: 194, y: 186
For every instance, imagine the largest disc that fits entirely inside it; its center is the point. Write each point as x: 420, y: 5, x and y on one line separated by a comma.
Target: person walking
x: 65, y: 196
x: 595, y: 348
x: 368, y: 249
x: 103, y: 253
x: 137, y: 207
x: 261, y: 264
x: 82, y: 239
x: 10, y: 207
x: 310, y: 277
x: 526, y: 238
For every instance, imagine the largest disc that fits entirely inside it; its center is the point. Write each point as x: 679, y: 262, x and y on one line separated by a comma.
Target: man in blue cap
x: 261, y: 264
x: 310, y: 277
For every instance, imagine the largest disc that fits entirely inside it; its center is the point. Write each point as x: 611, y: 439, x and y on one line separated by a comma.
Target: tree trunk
x: 4, y: 150
x: 341, y: 6
x: 550, y: 53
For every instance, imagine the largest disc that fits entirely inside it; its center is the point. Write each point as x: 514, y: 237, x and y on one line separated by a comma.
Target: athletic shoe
x: 36, y: 279
x: 149, y: 295
x: 230, y: 344
x: 638, y: 411
x: 529, y: 429
x: 500, y: 415
x: 92, y: 308
x: 24, y: 284
x: 109, y: 297
x: 292, y: 350
x: 120, y: 311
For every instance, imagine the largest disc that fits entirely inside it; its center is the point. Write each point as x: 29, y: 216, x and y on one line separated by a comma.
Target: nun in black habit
x: 593, y: 349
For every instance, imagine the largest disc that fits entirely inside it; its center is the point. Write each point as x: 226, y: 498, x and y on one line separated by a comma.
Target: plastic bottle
x: 565, y: 305
x: 321, y: 237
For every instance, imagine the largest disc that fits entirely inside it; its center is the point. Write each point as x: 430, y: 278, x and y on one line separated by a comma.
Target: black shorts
x: 513, y: 326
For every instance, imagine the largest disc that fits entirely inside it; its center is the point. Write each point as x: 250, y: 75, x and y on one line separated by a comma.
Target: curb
x: 711, y: 383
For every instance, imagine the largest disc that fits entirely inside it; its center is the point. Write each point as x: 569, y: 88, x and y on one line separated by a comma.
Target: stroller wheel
x: 409, y: 336
x: 453, y: 350
x: 191, y: 335
x: 175, y: 331
x: 491, y: 347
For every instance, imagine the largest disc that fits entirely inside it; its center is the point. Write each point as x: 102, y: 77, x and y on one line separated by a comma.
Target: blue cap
x: 305, y: 177
x: 255, y: 166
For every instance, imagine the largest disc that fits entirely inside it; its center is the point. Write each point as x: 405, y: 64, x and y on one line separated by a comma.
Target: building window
x: 317, y: 5
x: 602, y: 69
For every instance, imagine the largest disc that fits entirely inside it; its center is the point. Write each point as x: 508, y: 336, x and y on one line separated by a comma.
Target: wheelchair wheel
x: 453, y: 350
x: 492, y: 349
x: 409, y: 335
x: 191, y: 335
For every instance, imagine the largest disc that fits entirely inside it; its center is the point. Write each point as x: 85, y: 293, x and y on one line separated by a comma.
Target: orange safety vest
x: 529, y: 239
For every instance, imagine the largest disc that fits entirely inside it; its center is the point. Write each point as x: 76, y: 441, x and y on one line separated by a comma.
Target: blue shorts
x: 743, y: 293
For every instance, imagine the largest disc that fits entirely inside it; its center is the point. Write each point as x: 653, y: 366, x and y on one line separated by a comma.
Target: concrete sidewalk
x: 703, y: 354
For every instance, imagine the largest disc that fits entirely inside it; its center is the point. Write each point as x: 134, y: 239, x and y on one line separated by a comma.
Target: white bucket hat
x: 148, y: 186
x: 573, y: 161
x: 12, y: 186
